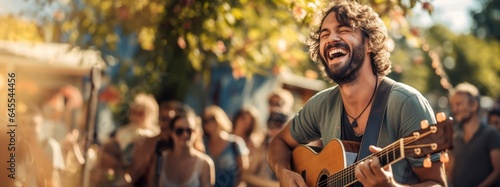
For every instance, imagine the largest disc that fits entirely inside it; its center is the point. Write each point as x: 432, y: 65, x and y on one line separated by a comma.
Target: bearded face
x: 462, y: 107
x: 347, y: 72
x: 342, y: 50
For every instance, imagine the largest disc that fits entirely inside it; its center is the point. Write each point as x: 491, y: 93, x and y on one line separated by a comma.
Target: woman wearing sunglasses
x: 183, y: 165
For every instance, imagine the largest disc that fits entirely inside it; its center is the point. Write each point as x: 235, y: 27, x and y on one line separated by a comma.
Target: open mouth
x: 335, y: 53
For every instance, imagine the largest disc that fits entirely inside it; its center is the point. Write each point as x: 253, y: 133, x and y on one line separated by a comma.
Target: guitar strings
x: 347, y: 174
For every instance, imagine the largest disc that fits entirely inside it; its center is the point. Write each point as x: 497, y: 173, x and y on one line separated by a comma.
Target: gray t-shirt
x: 473, y: 159
x: 320, y: 118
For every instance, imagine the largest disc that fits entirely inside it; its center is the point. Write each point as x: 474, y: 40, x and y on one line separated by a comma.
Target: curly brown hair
x: 356, y: 16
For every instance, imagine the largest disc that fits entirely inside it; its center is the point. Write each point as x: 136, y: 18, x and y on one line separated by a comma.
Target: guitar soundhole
x: 322, y: 178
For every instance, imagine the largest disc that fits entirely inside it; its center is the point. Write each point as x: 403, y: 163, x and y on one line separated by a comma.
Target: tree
x: 487, y: 21
x: 468, y: 58
x: 177, y: 39
x: 15, y: 29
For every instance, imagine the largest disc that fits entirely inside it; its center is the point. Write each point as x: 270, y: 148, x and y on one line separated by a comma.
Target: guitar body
x: 329, y: 165
x: 316, y: 167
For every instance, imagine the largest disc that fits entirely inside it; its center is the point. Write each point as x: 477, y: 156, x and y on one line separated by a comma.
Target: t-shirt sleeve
x: 494, y: 139
x: 304, y: 125
x: 414, y: 109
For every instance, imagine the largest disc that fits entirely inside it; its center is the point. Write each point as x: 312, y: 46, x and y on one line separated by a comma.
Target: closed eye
x: 323, y: 33
x: 344, y: 29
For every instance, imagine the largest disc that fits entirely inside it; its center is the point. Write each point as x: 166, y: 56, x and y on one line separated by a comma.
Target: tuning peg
x: 424, y: 124
x: 434, y: 146
x: 427, y: 162
x: 417, y: 151
x: 440, y: 116
x: 444, y: 157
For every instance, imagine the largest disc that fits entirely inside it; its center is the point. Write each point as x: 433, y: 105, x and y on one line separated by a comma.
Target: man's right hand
x: 290, y: 178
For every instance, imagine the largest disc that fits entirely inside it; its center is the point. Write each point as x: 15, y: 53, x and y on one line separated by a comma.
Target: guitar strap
x: 377, y: 113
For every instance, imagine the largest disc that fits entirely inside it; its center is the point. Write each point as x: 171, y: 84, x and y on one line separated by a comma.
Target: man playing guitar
x: 348, y: 44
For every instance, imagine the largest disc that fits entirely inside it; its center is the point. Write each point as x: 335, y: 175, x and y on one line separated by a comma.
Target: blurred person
x: 146, y: 155
x: 57, y: 112
x: 71, y: 144
x: 494, y: 118
x: 262, y: 174
x: 192, y: 167
x: 117, y: 154
x: 40, y: 158
x: 108, y: 96
x: 229, y: 152
x: 109, y: 169
x: 475, y: 157
x: 143, y: 122
x: 347, y: 41
x: 73, y: 158
x: 281, y: 99
x: 54, y: 125
x: 246, y: 125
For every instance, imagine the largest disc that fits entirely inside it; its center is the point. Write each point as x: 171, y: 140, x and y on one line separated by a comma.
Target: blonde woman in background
x: 229, y: 152
x: 143, y: 121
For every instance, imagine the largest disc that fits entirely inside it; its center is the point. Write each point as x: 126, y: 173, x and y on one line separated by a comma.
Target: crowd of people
x: 208, y: 149
x: 167, y: 144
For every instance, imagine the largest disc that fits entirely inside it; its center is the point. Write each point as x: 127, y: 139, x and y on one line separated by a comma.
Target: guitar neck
x: 388, y: 155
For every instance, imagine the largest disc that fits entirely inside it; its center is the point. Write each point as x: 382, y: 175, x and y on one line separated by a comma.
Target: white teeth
x: 331, y: 53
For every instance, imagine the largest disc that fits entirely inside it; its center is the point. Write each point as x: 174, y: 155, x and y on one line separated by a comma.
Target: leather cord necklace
x: 354, y: 122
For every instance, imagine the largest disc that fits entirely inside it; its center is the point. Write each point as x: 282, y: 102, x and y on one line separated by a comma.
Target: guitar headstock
x: 431, y: 139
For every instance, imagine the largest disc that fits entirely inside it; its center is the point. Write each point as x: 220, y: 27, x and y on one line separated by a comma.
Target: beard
x: 350, y: 70
x: 463, y: 119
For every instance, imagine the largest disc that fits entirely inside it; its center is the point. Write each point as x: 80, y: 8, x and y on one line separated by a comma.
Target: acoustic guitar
x: 328, y: 166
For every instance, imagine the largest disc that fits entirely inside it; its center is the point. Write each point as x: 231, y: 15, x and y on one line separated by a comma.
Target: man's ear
x: 367, y: 45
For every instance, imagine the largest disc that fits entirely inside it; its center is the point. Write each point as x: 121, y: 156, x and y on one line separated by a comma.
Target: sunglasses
x: 180, y: 131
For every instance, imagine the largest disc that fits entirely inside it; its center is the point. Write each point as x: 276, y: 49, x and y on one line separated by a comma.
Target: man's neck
x: 472, y: 124
x: 356, y: 95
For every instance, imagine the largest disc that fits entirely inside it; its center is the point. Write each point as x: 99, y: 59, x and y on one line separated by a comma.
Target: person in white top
x: 183, y: 165
x: 143, y: 119
x: 116, y: 155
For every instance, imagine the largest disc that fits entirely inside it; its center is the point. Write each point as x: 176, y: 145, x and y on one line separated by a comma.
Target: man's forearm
x: 279, y: 155
x: 491, y: 179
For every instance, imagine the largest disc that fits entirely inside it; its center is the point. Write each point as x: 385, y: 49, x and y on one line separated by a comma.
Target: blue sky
x: 9, y: 6
x: 453, y: 13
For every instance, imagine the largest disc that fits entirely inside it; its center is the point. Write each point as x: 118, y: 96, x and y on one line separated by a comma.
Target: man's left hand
x: 371, y: 173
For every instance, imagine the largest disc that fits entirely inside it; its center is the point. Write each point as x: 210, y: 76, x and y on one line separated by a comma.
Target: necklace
x: 354, y: 122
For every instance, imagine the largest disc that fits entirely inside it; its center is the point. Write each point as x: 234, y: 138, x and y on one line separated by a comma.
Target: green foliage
x: 182, y: 37
x: 14, y: 29
x: 487, y: 21
x: 467, y: 58
x: 409, y: 67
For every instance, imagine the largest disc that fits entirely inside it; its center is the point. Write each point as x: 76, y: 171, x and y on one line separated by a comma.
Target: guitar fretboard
x: 346, y: 177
